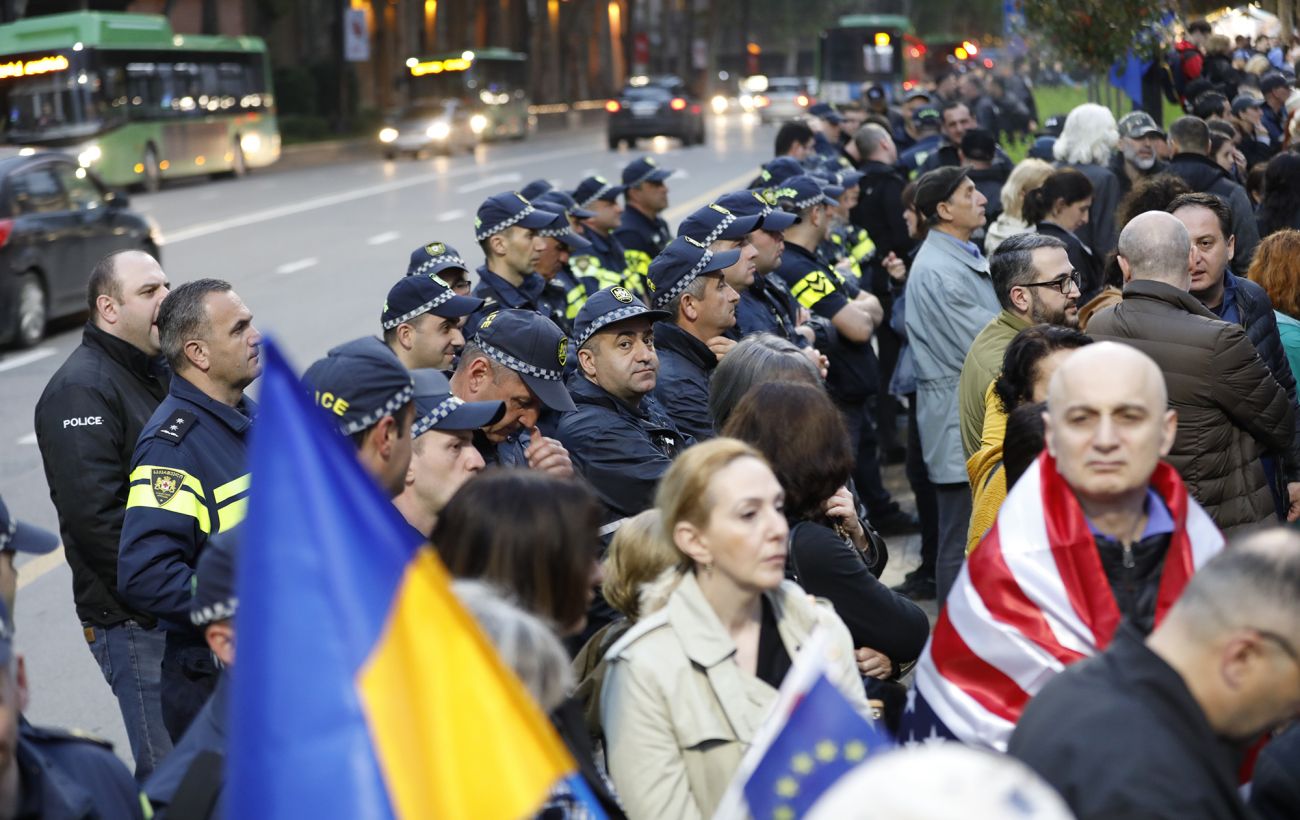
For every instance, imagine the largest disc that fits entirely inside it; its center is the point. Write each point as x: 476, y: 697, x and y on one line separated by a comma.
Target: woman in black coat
x: 1058, y: 208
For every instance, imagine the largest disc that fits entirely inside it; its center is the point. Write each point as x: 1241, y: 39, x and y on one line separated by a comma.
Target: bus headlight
x: 478, y: 123
x: 387, y: 134
x: 250, y: 143
x: 439, y: 130
x: 88, y: 155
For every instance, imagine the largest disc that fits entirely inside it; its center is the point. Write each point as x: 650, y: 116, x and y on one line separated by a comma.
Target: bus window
x: 49, y: 106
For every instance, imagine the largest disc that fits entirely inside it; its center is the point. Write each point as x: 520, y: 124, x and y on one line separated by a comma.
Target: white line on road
x: 674, y: 215
x: 32, y: 570
x: 490, y: 182
x: 294, y: 267
x: 30, y: 438
x: 448, y: 216
x: 381, y: 238
x: 27, y: 358
x: 259, y: 217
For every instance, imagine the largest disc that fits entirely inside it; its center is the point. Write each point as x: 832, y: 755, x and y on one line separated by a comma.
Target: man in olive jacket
x: 1228, y: 403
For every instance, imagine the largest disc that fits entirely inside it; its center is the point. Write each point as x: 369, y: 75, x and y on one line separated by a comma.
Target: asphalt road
x: 312, y: 251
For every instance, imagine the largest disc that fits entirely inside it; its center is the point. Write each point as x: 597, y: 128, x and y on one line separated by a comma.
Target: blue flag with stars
x: 822, y: 740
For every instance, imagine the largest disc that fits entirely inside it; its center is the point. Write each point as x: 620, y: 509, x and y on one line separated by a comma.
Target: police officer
x: 517, y: 357
x: 188, y: 478
x: 189, y: 781
x: 605, y: 262
x: 643, y: 232
x: 775, y: 171
x: 828, y: 141
x: 423, y: 261
x: 16, y: 536
x: 367, y: 393
x: 87, y: 422
x: 564, y: 294
x: 621, y: 439
x: 687, y: 282
x: 505, y: 227
x: 853, y: 246
x: 536, y: 188
x: 719, y: 229
x: 423, y: 316
x: 443, y: 456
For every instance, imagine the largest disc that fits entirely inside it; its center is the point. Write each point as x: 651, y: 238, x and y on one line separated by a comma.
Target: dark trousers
x: 189, y: 674
x: 927, y: 503
x: 130, y: 657
x: 954, y: 521
x: 860, y: 419
x: 887, y: 406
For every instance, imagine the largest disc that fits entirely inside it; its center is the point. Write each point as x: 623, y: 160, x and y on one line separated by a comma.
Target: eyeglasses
x: 1061, y: 283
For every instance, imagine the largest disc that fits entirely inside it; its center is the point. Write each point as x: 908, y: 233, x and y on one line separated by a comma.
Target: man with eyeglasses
x: 1156, y: 728
x: 1036, y: 285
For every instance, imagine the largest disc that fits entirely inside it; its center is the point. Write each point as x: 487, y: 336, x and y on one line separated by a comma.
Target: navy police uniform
x: 499, y: 213
x: 765, y: 306
x: 642, y: 237
x: 63, y: 775
x: 605, y: 262
x: 563, y: 295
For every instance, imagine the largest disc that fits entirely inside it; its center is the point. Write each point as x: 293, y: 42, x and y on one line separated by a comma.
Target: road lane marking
x: 315, y: 203
x: 490, y: 182
x: 31, y: 571
x: 30, y: 356
x: 381, y: 238
x: 674, y: 215
x: 448, y: 216
x: 30, y: 438
x: 294, y: 267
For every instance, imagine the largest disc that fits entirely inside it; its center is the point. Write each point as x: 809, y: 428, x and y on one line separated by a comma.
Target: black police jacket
x: 766, y: 307
x: 189, y: 480
x: 642, y: 239
x: 498, y: 294
x: 685, y: 366
x: 87, y: 422
x: 70, y: 777
x: 880, y: 212
x: 622, y: 451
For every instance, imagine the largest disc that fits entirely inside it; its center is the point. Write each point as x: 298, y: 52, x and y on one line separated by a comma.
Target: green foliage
x: 1091, y: 34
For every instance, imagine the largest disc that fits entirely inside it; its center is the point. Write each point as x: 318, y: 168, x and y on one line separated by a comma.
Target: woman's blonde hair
x: 638, y: 554
x: 684, y: 490
x: 1025, y: 177
x: 1258, y: 65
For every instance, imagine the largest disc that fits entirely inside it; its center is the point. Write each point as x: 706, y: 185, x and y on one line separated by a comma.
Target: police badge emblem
x: 165, y: 484
x: 622, y: 294
x: 563, y: 352
x: 435, y: 249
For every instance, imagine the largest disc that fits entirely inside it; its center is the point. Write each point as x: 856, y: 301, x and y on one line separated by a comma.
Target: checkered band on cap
x: 504, y: 359
x: 808, y: 203
x: 445, y: 408
x: 397, y: 402
x: 7, y: 535
x: 643, y: 177
x: 722, y: 226
x: 220, y: 611
x: 555, y: 233
x: 663, y: 297
x: 608, y: 319
x: 440, y: 299
x: 434, y: 261
x: 601, y: 191
x: 484, y: 234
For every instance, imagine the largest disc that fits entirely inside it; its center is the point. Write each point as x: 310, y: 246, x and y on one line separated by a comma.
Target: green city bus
x: 491, y: 84
x: 134, y: 101
x: 868, y: 49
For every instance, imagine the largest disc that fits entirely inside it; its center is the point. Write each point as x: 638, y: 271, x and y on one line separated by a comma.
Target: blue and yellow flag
x: 363, y: 689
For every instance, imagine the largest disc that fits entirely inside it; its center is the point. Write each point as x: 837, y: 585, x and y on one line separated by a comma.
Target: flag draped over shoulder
x: 363, y: 689
x: 1032, y: 599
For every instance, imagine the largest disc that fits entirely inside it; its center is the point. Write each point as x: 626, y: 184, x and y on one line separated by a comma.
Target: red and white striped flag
x: 1032, y: 599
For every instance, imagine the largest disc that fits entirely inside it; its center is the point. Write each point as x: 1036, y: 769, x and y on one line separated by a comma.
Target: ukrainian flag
x: 363, y: 689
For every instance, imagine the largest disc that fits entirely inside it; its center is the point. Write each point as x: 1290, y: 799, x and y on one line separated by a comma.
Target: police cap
x: 414, y: 296
x: 594, y: 188
x: 825, y: 111
x: 433, y: 258
x: 642, y: 170
x: 561, y: 229
x: 682, y: 262
x: 531, y: 345
x: 214, y: 580
x: 16, y: 536
x: 609, y: 307
x: 799, y: 193
x: 751, y: 203
x: 779, y: 170
x: 360, y: 382
x: 437, y: 409
x: 555, y: 199
x: 535, y: 189
x: 503, y: 211
x: 714, y: 222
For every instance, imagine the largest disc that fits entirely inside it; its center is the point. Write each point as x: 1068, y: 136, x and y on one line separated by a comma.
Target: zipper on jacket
x: 1129, y: 562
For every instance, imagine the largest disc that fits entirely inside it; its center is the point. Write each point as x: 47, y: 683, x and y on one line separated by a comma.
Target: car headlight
x: 88, y: 155
x: 719, y: 104
x: 478, y: 123
x: 440, y: 130
x: 388, y: 134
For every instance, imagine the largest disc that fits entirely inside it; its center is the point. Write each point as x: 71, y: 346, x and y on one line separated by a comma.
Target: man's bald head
x: 1108, y: 422
x: 1156, y: 246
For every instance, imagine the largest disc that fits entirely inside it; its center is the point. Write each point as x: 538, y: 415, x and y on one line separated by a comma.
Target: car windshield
x: 647, y: 92
x: 52, y: 107
x: 427, y: 111
x: 784, y: 85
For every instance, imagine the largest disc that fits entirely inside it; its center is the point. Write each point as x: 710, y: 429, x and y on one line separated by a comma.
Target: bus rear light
x: 695, y: 109
x: 612, y: 106
x: 677, y: 104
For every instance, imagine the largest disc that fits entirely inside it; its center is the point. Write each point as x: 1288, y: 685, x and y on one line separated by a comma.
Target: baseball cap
x: 826, y: 112
x: 919, y: 94
x: 714, y: 222
x: 875, y: 92
x: 642, y: 170
x: 682, y: 262
x: 414, y: 296
x: 594, y: 188
x: 849, y: 178
x: 359, y: 382
x: 1272, y: 81
x: 609, y: 307
x: 532, y: 346
x: 535, y: 189
x: 561, y: 229
x: 433, y: 258
x: 751, y: 203
x: 927, y: 115
x: 798, y: 193
x: 977, y: 143
x: 830, y: 182
x: 214, y: 580
x: 1043, y: 148
x: 555, y: 199
x: 502, y: 211
x: 779, y: 170
x: 1138, y: 124
x: 17, y: 536
x: 437, y: 409
x: 937, y: 186
x: 1242, y: 102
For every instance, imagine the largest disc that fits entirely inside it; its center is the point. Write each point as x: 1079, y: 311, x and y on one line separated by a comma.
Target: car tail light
x: 761, y: 101
x: 802, y: 99
x: 612, y: 106
x: 677, y: 104
x: 695, y: 109
x: 6, y: 228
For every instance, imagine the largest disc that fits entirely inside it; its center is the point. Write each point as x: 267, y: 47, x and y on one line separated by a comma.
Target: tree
x: 1093, y: 34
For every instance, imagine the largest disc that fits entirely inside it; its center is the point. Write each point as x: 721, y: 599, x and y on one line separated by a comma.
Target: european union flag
x: 823, y: 739
x: 1127, y: 76
x: 363, y: 688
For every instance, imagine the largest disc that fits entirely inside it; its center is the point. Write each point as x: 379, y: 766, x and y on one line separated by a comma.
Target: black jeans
x: 860, y: 419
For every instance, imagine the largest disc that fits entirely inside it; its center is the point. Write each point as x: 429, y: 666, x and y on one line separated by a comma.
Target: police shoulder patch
x: 176, y: 426
x: 581, y: 263
x: 165, y: 483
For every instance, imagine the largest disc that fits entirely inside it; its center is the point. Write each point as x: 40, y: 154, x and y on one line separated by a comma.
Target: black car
x: 56, y: 221
x: 655, y: 108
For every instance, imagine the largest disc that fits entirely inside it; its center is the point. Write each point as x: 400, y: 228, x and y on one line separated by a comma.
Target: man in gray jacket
x: 950, y: 298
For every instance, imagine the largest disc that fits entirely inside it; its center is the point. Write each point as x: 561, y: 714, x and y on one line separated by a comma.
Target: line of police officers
x: 586, y: 346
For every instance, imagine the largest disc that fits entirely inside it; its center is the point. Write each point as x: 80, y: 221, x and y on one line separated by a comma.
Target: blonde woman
x: 1025, y: 177
x: 688, y: 687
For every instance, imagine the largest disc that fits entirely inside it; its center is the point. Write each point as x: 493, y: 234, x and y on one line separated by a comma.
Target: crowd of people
x: 658, y: 451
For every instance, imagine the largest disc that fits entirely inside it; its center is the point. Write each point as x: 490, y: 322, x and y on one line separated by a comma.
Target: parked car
x: 56, y: 221
x: 655, y: 108
x: 784, y: 99
x: 443, y: 127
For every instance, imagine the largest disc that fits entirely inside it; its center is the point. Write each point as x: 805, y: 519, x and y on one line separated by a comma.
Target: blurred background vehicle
x: 489, y: 85
x: 781, y: 99
x: 442, y: 127
x: 655, y: 107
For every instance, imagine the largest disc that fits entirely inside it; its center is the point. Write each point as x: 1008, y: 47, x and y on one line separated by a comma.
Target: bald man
x: 1230, y: 408
x: 1098, y: 531
x: 1156, y: 728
